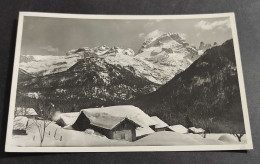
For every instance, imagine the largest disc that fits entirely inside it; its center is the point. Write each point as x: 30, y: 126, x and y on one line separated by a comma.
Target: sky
x: 56, y: 36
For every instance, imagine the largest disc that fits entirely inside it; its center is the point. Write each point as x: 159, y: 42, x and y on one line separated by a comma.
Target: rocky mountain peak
x: 158, y: 38
x: 204, y: 46
x: 166, y: 52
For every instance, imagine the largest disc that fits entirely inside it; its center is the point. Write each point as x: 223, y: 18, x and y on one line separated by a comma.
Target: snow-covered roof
x: 20, y: 111
x: 68, y: 118
x: 20, y: 123
x: 141, y: 131
x: 160, y: 123
x: 179, y: 129
x: 131, y: 112
x: 105, y: 120
x: 197, y: 130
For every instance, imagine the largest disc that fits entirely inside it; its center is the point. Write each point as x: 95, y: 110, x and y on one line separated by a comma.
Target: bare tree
x: 44, y: 119
x: 238, y: 131
x: 239, y: 136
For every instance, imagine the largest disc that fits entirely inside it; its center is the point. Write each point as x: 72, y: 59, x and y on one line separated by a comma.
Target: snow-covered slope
x: 39, y: 65
x: 123, y: 57
x: 56, y: 136
x: 92, y: 82
x: 166, y: 138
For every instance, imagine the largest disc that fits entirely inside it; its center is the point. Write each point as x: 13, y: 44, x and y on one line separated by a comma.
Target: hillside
x: 23, y: 75
x: 88, y: 83
x: 204, y: 95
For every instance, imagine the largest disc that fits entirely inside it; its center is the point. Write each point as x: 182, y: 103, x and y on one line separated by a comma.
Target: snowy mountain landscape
x: 161, y: 56
x: 93, y: 75
x: 165, y: 93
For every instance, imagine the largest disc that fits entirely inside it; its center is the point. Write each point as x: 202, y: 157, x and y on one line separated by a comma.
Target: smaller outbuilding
x: 65, y: 119
x: 178, y: 129
x: 160, y: 126
x: 143, y: 132
x: 196, y: 130
x: 26, y: 112
x: 20, y: 125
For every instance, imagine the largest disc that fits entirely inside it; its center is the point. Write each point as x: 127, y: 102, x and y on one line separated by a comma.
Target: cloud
x: 141, y: 35
x: 198, y: 34
x: 49, y: 48
x: 206, y: 25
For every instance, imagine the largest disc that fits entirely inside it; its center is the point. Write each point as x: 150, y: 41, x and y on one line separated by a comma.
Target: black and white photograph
x: 102, y: 83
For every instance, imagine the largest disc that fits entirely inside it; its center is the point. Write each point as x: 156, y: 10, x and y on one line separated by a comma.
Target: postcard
x: 113, y: 83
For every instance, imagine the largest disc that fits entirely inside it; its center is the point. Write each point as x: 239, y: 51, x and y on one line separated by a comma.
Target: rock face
x: 205, y: 95
x: 167, y: 55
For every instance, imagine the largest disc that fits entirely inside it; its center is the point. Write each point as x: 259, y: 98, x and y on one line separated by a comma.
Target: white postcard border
x: 10, y: 148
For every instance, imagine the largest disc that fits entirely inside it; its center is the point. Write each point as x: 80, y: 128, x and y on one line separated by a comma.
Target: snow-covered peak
x: 153, y: 35
x: 39, y: 65
x: 129, y: 52
x: 166, y: 54
x: 104, y: 47
x: 102, y: 51
x: 160, y: 39
x: 157, y: 34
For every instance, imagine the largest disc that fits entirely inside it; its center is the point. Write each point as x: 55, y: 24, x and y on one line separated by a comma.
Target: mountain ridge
x: 162, y: 58
x: 90, y: 82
